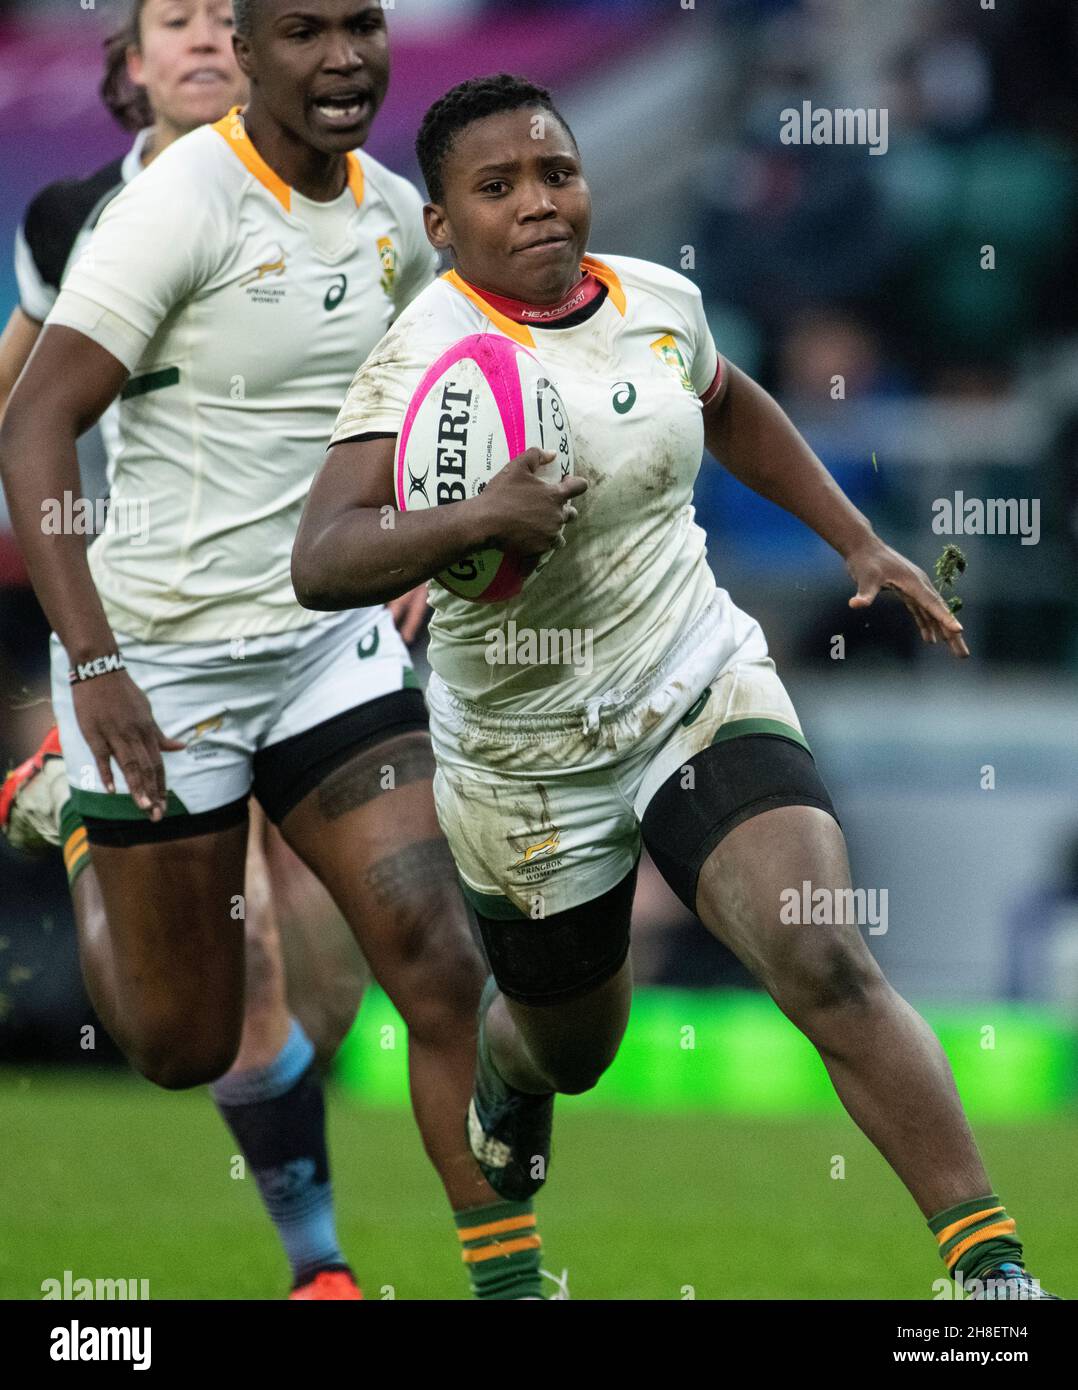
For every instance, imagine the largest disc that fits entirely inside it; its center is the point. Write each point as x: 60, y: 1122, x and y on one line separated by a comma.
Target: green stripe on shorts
x: 492, y: 904
x: 119, y: 805
x: 737, y: 727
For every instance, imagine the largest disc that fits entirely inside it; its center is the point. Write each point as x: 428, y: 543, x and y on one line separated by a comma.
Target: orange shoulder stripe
x: 231, y: 129
x: 606, y: 276
x: 519, y: 332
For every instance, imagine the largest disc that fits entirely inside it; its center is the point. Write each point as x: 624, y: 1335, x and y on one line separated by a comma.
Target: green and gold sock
x: 976, y: 1236
x: 500, y: 1246
x: 76, y: 848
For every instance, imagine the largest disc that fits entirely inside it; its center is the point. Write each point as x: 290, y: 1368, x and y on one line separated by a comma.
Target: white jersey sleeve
x: 706, y: 362
x: 705, y: 358
x: 683, y: 300
x: 156, y: 244
x: 378, y: 397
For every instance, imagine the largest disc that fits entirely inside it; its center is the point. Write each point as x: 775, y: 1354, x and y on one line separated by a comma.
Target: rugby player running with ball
x: 679, y: 731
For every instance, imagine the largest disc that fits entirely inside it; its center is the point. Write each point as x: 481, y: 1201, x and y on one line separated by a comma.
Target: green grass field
x: 110, y: 1178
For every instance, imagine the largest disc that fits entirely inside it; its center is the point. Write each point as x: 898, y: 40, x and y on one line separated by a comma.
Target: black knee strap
x: 732, y: 781
x: 555, y: 959
x: 182, y: 826
x: 285, y: 772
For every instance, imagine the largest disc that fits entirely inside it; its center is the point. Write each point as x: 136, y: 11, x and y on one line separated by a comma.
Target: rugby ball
x: 485, y: 401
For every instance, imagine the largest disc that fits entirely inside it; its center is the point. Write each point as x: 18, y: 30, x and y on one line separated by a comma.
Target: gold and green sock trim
x: 76, y: 848
x: 500, y: 1247
x: 976, y: 1236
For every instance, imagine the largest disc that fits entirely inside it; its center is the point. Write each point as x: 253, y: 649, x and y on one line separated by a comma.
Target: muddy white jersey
x: 240, y: 309
x: 633, y: 573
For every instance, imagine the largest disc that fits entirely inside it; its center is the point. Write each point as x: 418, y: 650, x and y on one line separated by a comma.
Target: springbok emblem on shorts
x: 550, y: 844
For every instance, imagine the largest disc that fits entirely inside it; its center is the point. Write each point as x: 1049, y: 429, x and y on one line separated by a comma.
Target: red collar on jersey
x: 583, y: 293
x: 520, y: 332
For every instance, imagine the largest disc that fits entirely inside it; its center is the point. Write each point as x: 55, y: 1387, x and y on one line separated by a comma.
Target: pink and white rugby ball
x: 483, y: 402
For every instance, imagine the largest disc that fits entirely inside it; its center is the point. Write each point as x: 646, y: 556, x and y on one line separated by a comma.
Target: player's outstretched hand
x: 524, y: 514
x: 409, y: 612
x: 117, y: 722
x: 876, y: 566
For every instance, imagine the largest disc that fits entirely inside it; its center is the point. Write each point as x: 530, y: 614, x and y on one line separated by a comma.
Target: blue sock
x: 278, y: 1116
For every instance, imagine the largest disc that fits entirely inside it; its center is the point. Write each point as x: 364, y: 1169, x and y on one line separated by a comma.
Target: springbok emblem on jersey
x: 265, y: 271
x: 387, y: 254
x: 547, y: 846
x: 669, y: 354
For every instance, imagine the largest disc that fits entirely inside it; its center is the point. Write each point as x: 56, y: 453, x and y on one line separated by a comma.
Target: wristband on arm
x: 99, y: 666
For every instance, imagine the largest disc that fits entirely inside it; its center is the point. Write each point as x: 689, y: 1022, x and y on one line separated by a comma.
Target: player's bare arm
x: 16, y: 344
x: 346, y: 555
x: 67, y: 385
x: 755, y: 440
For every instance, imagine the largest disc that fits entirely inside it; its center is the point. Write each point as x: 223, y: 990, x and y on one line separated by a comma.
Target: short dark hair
x: 128, y: 103
x: 242, y: 12
x: 467, y: 102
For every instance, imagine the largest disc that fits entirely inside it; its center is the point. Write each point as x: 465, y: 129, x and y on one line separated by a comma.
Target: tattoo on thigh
x: 411, y: 871
x: 370, y: 774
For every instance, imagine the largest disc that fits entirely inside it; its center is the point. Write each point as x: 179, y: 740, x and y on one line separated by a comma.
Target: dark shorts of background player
x: 563, y: 957
x: 283, y: 773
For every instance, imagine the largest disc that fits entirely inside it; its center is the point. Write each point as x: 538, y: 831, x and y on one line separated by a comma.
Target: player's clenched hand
x: 117, y: 722
x: 876, y: 566
x: 523, y: 514
x: 408, y: 612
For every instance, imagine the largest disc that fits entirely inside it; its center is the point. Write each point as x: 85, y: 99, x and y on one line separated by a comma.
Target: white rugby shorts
x: 542, y: 813
x: 227, y: 701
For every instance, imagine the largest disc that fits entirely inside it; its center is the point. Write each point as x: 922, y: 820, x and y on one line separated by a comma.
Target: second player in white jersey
x: 240, y: 308
x: 228, y: 294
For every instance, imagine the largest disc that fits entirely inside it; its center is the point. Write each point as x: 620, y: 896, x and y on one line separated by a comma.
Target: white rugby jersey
x: 241, y: 309
x: 633, y: 573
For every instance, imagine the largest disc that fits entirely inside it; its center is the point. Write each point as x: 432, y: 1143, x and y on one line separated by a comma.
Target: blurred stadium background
x: 815, y: 262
